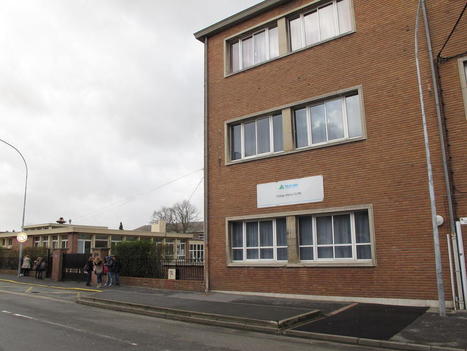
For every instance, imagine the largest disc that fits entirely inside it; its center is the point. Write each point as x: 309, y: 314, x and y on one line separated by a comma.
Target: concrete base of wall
x: 189, y: 285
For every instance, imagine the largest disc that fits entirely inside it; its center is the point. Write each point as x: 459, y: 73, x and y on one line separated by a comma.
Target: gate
x: 73, y: 264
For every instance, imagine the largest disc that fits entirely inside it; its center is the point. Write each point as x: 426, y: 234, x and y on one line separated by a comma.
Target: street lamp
x: 24, y: 202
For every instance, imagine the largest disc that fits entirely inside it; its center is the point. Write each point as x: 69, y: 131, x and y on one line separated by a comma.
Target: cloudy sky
x: 105, y: 101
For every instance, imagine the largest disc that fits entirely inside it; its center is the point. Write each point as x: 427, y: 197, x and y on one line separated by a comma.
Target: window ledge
x: 306, y: 148
x: 303, y: 264
x: 227, y: 75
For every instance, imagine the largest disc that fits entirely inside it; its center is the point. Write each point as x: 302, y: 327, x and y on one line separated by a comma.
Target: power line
x: 197, y: 186
x: 450, y: 35
x: 133, y: 197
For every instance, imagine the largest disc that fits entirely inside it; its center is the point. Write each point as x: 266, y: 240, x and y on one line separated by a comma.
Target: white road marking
x: 70, y: 328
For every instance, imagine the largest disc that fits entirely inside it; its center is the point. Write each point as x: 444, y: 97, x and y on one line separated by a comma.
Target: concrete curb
x: 49, y: 286
x: 182, y: 315
x: 270, y: 327
x: 394, y: 345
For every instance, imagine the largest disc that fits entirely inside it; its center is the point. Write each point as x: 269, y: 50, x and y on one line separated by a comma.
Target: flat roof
x: 239, y: 17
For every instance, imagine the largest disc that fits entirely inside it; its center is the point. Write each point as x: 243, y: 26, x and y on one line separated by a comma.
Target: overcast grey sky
x: 105, y: 101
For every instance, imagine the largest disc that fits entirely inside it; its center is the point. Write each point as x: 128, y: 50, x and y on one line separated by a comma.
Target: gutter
x: 440, y: 114
x: 239, y: 17
x: 206, y: 173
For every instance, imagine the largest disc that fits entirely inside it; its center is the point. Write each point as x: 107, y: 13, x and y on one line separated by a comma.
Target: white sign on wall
x: 290, y: 192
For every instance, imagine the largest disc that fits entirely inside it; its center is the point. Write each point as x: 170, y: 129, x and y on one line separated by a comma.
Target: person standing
x: 42, y: 268
x: 88, y: 269
x: 108, y: 266
x: 36, y: 267
x: 116, y: 268
x: 98, y: 270
x: 26, y: 266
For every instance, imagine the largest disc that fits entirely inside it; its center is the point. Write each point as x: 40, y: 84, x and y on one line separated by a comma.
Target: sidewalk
x: 395, y: 327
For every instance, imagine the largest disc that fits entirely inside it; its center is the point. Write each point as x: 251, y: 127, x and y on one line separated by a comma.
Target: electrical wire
x: 196, y: 188
x: 439, y: 57
x: 133, y: 197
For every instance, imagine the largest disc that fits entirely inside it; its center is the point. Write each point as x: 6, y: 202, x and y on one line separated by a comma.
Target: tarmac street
x: 41, y: 318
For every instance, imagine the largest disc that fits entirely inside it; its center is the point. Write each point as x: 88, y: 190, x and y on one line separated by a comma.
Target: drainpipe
x: 431, y: 190
x: 444, y: 152
x: 206, y: 174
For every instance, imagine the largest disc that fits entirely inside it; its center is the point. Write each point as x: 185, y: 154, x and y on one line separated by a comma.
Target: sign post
x: 21, y: 237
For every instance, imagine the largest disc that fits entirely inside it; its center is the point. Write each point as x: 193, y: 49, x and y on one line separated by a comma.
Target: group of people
x: 39, y: 266
x: 109, y: 267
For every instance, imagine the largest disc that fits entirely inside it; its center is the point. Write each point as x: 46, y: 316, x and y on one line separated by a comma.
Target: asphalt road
x: 36, y: 318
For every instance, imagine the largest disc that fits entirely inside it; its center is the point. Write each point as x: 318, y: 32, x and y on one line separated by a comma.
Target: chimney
x: 158, y: 227
x: 61, y: 220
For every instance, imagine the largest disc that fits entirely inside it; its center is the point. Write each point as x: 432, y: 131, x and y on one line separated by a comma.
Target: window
x: 180, y: 250
x: 10, y: 242
x: 45, y: 241
x: 54, y: 241
x: 256, y: 137
x: 264, y: 240
x: 64, y: 244
x: 330, y: 120
x: 37, y: 241
x: 101, y: 241
x: 84, y: 243
x: 343, y: 236
x: 169, y: 248
x: 254, y: 49
x: 197, y: 252
x: 322, y: 23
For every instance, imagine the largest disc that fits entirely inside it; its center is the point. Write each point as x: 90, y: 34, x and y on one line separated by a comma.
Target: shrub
x: 139, y: 258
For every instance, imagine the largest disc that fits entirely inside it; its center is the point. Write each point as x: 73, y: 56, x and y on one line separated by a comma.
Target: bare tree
x: 185, y: 213
x: 165, y: 214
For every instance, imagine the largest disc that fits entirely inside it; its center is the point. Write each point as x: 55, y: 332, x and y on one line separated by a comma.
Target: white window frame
x: 240, y: 40
x: 244, y: 247
x: 337, y: 31
x: 353, y: 243
x: 181, y: 244
x: 197, y: 252
x: 345, y: 122
x: 242, y: 137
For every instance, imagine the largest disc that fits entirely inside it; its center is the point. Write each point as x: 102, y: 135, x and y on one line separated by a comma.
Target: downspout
x: 206, y: 173
x: 431, y: 190
x: 444, y: 151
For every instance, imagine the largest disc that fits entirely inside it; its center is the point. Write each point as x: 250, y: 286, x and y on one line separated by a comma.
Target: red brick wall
x: 387, y: 170
x: 189, y: 285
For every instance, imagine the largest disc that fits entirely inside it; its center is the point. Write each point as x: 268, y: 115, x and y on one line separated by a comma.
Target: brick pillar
x: 57, y: 261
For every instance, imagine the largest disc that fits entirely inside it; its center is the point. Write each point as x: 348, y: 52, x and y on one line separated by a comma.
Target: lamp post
x: 24, y: 201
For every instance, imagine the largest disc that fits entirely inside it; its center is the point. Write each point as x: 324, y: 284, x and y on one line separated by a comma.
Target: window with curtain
x: 319, y: 24
x: 333, y: 237
x: 327, y: 121
x: 256, y: 48
x: 264, y: 240
x: 256, y: 137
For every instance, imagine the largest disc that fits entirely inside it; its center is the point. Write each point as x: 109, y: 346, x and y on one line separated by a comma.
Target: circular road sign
x: 22, y: 237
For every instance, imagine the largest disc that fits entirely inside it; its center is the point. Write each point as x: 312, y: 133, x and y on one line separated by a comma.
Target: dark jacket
x: 89, y: 266
x: 116, y: 267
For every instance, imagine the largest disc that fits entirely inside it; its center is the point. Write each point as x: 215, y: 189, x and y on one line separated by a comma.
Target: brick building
x: 316, y: 173
x: 85, y: 238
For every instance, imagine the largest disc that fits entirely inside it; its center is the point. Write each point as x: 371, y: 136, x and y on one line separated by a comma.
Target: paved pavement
x: 44, y: 319
x: 396, y: 327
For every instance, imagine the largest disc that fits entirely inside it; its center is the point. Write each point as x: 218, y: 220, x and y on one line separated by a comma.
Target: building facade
x: 316, y: 172
x: 84, y: 239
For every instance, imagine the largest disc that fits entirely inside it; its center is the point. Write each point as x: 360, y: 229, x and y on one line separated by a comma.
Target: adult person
x: 42, y: 268
x: 35, y: 267
x: 116, y: 268
x: 108, y: 266
x: 26, y: 266
x: 98, y: 270
x: 88, y: 268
